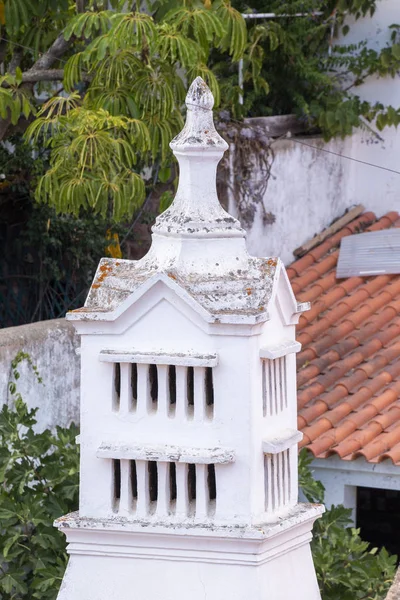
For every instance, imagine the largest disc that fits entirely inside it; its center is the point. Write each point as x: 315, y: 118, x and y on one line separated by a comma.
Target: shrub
x: 347, y: 568
x: 38, y: 483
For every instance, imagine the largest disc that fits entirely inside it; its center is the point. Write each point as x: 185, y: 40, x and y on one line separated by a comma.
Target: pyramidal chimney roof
x: 197, y: 248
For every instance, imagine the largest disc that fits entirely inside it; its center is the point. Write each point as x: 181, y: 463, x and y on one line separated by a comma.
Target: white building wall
x: 310, y: 187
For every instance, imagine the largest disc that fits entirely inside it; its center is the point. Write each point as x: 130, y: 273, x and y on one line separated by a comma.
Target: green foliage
x: 125, y: 70
x: 38, y: 483
x: 347, y: 568
x: 14, y: 100
x: 92, y: 159
x: 47, y: 260
x: 296, y: 63
x: 124, y: 74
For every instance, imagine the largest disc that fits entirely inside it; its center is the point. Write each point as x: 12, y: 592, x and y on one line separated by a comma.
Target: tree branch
x: 32, y: 76
x: 80, y: 6
x: 3, y: 50
x: 15, y: 61
x: 58, y: 48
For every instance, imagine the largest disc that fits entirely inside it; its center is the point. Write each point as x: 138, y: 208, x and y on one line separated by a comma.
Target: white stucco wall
x: 51, y: 346
x: 309, y: 188
x: 376, y: 32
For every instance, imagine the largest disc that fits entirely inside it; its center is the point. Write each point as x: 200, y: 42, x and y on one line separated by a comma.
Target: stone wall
x: 394, y: 592
x: 52, y: 346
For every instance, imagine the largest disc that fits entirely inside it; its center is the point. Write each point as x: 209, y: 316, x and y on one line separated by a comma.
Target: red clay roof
x: 349, y: 366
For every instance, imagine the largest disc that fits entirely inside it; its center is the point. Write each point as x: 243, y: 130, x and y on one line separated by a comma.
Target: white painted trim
x: 188, y: 359
x: 282, y: 441
x: 200, y: 456
x: 360, y: 465
x: 200, y: 536
x: 282, y: 348
x: 341, y: 478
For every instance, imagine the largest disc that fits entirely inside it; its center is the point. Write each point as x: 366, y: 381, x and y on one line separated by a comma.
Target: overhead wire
x: 2, y: 39
x: 357, y: 160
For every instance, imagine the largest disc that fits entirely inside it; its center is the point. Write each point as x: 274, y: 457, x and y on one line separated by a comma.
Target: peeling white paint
x: 167, y: 453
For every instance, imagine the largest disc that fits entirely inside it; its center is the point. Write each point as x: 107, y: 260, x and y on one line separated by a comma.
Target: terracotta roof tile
x: 310, y: 393
x: 300, y: 265
x: 349, y: 365
x: 393, y: 454
x: 381, y: 444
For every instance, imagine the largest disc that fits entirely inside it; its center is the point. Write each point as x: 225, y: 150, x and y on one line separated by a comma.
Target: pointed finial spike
x: 199, y: 130
x: 200, y: 95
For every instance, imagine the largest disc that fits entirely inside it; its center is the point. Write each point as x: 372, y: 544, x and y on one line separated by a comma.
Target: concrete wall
x: 310, y: 187
x: 52, y: 346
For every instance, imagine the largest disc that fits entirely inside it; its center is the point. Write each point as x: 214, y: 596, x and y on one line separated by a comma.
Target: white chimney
x: 188, y: 410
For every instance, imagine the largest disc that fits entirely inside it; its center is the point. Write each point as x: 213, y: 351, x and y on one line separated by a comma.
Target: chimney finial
x: 199, y: 132
x: 196, y: 212
x: 199, y: 95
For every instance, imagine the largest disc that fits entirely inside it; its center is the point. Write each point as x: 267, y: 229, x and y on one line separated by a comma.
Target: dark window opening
x: 117, y: 481
x: 172, y: 385
x: 153, y: 481
x: 190, y: 386
x: 209, y: 385
x: 134, y: 385
x: 133, y: 480
x: 212, y: 488
x: 172, y: 482
x: 378, y: 517
x: 192, y: 483
x: 117, y: 385
x: 153, y: 379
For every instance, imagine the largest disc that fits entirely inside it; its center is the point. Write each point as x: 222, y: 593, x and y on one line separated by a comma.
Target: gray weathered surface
x: 52, y: 346
x: 394, y: 592
x: 247, y: 292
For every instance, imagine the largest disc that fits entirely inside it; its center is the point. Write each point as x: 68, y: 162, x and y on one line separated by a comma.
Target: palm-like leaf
x: 14, y: 99
x: 92, y: 157
x: 117, y: 69
x: 173, y: 46
x: 132, y: 30
x: 18, y: 13
x: 116, y: 101
x: 235, y: 38
x: 153, y: 90
x: 162, y: 130
x: 204, y: 25
x: 88, y: 24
